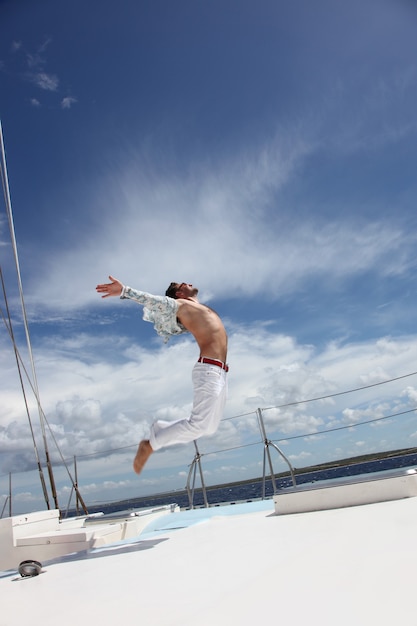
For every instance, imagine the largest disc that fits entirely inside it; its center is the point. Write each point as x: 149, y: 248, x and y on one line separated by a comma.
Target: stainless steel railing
x: 267, y: 443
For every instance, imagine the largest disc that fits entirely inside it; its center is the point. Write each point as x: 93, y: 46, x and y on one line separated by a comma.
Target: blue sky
x: 263, y: 151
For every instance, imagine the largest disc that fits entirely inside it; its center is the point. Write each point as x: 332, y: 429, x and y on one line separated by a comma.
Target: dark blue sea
x: 248, y: 491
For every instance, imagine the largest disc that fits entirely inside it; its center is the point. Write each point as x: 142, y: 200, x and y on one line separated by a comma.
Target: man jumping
x: 177, y: 312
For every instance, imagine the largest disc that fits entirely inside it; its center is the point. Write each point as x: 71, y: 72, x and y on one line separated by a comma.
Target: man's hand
x: 110, y: 289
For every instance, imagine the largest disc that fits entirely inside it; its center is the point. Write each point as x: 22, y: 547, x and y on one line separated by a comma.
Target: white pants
x: 210, y: 392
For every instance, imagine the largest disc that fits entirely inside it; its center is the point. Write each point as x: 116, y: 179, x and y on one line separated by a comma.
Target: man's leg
x: 210, y: 390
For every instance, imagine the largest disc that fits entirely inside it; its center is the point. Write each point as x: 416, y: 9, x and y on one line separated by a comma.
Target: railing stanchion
x: 10, y: 494
x: 196, y: 462
x: 266, y: 455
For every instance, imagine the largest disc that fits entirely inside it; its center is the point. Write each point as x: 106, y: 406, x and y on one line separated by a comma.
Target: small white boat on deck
x: 42, y: 536
x: 336, y: 553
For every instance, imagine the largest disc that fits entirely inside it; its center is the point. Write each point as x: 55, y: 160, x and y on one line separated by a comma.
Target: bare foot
x: 142, y: 455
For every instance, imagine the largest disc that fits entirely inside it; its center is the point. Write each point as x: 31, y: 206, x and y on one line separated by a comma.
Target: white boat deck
x: 235, y: 565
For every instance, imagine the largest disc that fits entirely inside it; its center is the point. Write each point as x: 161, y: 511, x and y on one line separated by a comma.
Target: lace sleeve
x: 161, y: 311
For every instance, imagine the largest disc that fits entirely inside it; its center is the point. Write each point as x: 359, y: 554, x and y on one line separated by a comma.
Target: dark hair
x: 171, y: 292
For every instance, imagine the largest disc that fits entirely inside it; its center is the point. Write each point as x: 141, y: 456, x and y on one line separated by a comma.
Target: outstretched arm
x: 110, y: 289
x: 161, y: 311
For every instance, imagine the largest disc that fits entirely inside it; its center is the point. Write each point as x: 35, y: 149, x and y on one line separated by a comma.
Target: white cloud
x: 229, y: 220
x: 35, y: 71
x: 410, y: 393
x: 66, y: 103
x: 97, y: 401
x: 47, y: 82
x: 36, y: 60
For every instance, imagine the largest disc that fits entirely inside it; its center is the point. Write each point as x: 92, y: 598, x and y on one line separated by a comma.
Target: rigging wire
x: 331, y: 430
x: 21, y: 365
x: 332, y: 395
x: 35, y: 388
x: 17, y: 356
x: 340, y: 393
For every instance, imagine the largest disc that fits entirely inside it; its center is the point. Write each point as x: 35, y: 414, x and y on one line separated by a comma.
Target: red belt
x: 204, y: 359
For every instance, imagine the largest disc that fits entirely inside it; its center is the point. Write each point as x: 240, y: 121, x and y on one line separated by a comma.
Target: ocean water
x: 253, y: 490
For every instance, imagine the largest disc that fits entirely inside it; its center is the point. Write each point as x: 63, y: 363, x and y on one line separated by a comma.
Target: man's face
x: 186, y: 290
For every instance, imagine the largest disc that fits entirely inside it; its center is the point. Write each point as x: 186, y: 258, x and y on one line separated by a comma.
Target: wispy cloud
x: 48, y: 82
x: 36, y: 71
x: 66, y: 103
x: 36, y: 60
x: 234, y: 213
